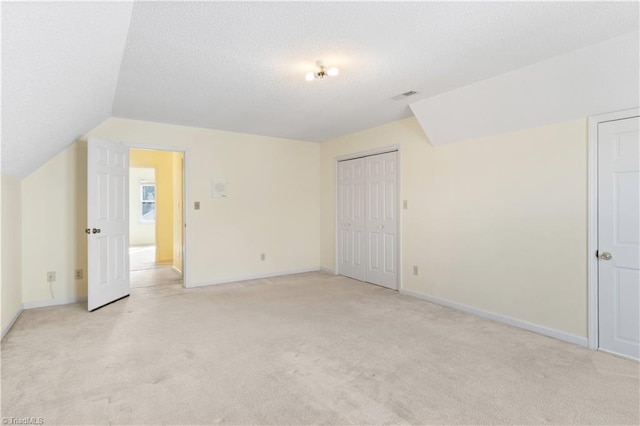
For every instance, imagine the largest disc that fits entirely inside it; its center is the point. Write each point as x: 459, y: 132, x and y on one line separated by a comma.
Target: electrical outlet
x: 78, y: 274
x: 51, y: 276
x: 415, y: 269
x: 196, y: 205
x: 263, y: 256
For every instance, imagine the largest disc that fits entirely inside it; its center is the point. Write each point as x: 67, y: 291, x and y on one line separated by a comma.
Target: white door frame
x: 592, y: 231
x: 367, y: 153
x: 185, y: 202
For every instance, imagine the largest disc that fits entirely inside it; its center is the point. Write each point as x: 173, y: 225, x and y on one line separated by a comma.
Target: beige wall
x: 497, y: 223
x: 140, y: 233
x: 162, y: 163
x: 273, y: 204
x: 272, y: 208
x: 11, y: 250
x: 178, y: 224
x: 54, y: 216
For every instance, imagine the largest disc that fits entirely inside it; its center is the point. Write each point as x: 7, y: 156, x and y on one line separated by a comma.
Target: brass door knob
x: 96, y: 230
x: 87, y: 231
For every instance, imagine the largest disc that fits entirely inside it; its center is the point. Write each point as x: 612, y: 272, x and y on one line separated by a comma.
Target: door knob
x: 87, y: 231
x: 605, y: 255
x: 95, y: 231
x: 381, y: 227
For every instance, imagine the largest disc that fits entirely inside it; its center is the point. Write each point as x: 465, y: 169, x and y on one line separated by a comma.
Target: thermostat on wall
x: 219, y: 188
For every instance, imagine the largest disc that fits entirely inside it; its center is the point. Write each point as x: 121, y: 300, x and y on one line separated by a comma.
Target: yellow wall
x: 11, y: 250
x: 140, y: 233
x: 497, y: 223
x: 54, y: 216
x: 162, y: 162
x: 178, y: 224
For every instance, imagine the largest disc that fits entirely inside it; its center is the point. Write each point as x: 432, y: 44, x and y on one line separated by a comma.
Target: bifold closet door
x: 382, y: 219
x: 368, y: 219
x: 351, y: 218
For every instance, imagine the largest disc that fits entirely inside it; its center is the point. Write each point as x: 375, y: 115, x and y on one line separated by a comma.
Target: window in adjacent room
x: 148, y: 200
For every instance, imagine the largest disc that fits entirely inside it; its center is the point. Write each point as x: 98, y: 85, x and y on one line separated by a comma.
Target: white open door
x: 619, y: 236
x: 107, y: 221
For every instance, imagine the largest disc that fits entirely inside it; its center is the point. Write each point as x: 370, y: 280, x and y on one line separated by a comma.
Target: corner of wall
x: 54, y: 204
x: 460, y: 204
x: 11, y: 251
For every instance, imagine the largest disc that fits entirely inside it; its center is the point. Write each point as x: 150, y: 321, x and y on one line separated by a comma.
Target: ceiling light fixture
x: 322, y: 72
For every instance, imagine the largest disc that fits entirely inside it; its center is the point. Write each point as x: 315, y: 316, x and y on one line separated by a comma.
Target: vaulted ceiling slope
x: 240, y: 66
x: 60, y: 67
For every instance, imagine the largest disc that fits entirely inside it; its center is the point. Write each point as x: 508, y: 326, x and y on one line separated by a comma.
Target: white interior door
x: 382, y: 220
x: 351, y: 218
x: 368, y: 219
x: 107, y: 221
x: 619, y: 236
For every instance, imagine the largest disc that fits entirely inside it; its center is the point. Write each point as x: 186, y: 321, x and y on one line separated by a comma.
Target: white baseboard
x: 54, y: 302
x: 540, y: 329
x: 254, y: 277
x: 15, y: 317
x: 176, y: 270
x: 328, y: 271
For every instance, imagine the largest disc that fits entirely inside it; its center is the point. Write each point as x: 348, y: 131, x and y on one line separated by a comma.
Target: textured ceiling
x: 240, y: 66
x: 60, y: 67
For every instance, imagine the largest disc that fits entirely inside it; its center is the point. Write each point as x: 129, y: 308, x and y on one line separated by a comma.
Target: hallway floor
x: 145, y: 272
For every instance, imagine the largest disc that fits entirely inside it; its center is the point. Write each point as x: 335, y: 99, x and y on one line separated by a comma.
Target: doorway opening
x: 156, y: 218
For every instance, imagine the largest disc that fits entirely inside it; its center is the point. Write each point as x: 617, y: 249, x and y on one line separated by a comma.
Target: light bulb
x: 333, y: 71
x: 310, y: 76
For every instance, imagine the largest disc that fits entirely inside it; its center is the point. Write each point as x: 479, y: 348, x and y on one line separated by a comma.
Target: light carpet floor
x: 301, y: 349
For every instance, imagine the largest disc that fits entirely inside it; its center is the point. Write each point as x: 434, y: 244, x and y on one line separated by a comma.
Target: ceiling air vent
x: 404, y: 95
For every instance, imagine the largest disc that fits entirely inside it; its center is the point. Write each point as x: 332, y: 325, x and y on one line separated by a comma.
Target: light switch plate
x: 196, y: 205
